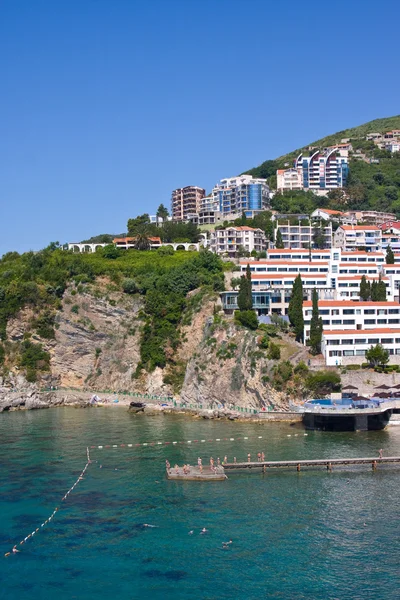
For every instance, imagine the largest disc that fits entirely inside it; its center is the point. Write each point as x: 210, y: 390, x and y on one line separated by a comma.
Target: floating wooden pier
x: 194, y: 474
x: 328, y: 463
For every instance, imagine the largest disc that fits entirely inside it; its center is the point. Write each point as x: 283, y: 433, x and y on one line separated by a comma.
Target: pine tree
x: 389, y: 256
x: 381, y: 290
x: 279, y: 240
x: 245, y: 298
x: 316, y: 325
x: 365, y: 289
x: 295, y: 310
x: 374, y: 291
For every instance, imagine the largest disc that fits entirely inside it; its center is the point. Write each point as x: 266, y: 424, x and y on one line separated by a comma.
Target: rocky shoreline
x: 30, y: 398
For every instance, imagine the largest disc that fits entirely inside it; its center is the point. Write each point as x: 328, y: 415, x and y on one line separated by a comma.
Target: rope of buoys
x: 230, y: 439
x: 35, y: 531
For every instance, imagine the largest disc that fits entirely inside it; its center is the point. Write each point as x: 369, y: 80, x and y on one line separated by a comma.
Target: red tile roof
x: 359, y: 227
x: 361, y: 331
x: 352, y: 303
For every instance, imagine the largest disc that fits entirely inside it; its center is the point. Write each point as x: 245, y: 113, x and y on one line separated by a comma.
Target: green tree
x: 279, y: 240
x: 316, y: 326
x: 110, y: 251
x: 295, y: 310
x: 246, y: 318
x: 274, y: 352
x: 318, y: 237
x: 389, y: 256
x: 365, y: 289
x: 378, y: 290
x: 245, y: 298
x: 374, y: 291
x: 377, y: 356
x: 142, y: 241
x: 137, y: 223
x: 322, y: 383
x: 162, y: 213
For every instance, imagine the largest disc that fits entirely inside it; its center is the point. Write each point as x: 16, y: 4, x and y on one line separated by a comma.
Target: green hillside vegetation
x: 38, y: 280
x: 370, y: 186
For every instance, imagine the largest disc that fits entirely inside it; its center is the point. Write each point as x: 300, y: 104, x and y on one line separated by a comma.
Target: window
x: 348, y: 311
x: 387, y: 341
x: 369, y: 311
x: 381, y: 321
x: 348, y: 321
x: 382, y: 311
x: 393, y: 311
x: 394, y: 321
x: 347, y: 342
x: 360, y: 352
x: 333, y: 342
x: 335, y: 353
x: 348, y: 352
x: 324, y: 312
x: 336, y: 322
x: 335, y: 311
x: 373, y: 340
x: 370, y: 321
x: 360, y: 341
x: 335, y: 256
x: 358, y: 311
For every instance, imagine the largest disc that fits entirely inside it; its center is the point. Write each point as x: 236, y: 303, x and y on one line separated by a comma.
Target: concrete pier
x: 328, y: 463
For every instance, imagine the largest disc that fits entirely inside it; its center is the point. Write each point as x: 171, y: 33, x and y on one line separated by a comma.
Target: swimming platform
x: 194, y: 473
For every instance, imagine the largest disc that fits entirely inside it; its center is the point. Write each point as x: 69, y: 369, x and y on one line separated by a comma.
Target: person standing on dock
x: 200, y: 464
x: 249, y: 457
x: 168, y: 466
x: 380, y: 453
x: 218, y: 461
x: 262, y: 457
x: 259, y: 457
x: 211, y: 462
x: 225, y: 460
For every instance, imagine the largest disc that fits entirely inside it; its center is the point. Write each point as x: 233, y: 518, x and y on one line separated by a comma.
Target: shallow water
x: 295, y: 535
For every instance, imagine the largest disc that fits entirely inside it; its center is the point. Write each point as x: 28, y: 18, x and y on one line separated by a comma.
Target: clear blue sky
x: 106, y: 106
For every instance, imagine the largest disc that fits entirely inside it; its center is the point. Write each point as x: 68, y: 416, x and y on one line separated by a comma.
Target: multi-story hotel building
x: 324, y: 171
x: 351, y: 237
x: 185, y: 202
x: 350, y: 328
x: 320, y: 172
x: 336, y: 275
x: 289, y: 179
x: 302, y: 234
x: 231, y: 240
x: 242, y: 194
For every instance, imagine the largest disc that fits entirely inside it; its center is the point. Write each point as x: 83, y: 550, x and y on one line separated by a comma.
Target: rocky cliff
x: 97, y: 347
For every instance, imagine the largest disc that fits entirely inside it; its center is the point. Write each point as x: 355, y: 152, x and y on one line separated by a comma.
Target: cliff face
x: 228, y: 368
x: 97, y: 347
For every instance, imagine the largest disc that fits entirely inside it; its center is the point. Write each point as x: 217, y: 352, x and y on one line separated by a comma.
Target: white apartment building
x: 350, y: 347
x: 231, y: 240
x: 289, y: 179
x: 326, y: 214
x: 185, y: 202
x: 352, y: 237
x: 340, y: 315
x: 241, y: 194
x: 301, y: 235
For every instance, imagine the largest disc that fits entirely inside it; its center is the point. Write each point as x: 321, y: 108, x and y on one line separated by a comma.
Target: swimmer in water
x: 203, y: 531
x: 191, y: 532
x: 147, y: 525
x: 226, y: 544
x: 14, y: 550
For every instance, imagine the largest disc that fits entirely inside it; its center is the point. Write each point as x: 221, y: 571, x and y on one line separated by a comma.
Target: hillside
x: 269, y: 167
x: 371, y: 185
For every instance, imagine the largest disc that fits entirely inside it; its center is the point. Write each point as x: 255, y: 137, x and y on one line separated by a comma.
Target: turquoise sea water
x: 295, y: 535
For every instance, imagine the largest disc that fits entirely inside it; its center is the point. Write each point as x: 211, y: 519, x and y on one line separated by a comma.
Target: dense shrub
x: 274, y: 352
x: 322, y: 383
x: 246, y: 318
x: 129, y: 286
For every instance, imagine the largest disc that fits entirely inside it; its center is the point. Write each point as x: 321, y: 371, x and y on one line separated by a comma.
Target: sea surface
x: 311, y: 535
